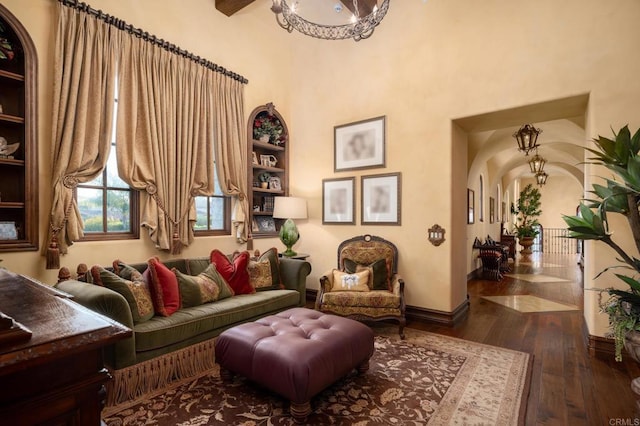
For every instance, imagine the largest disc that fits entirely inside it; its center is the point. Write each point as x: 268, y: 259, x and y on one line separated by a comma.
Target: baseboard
x: 449, y: 319
x: 416, y: 313
x: 476, y: 274
x: 600, y: 346
x: 311, y: 295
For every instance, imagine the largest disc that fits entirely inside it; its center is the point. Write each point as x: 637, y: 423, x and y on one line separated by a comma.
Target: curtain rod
x: 122, y: 25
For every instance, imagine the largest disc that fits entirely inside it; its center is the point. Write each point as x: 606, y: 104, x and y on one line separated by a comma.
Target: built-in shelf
x: 11, y: 118
x: 11, y: 205
x: 263, y: 224
x: 11, y: 75
x: 18, y: 174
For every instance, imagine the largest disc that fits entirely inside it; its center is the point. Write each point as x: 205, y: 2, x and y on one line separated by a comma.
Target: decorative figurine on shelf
x: 6, y: 150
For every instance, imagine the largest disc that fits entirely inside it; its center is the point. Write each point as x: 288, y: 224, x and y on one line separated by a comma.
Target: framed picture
x: 274, y: 183
x: 492, y: 210
x: 381, y: 199
x: 263, y: 224
x: 8, y: 231
x: 470, y: 202
x: 254, y: 159
x: 359, y: 145
x: 338, y: 201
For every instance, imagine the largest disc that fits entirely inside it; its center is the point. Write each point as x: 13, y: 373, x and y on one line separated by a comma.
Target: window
x: 108, y: 206
x: 213, y: 213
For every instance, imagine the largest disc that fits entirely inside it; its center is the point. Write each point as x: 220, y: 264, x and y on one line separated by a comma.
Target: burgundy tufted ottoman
x: 296, y: 353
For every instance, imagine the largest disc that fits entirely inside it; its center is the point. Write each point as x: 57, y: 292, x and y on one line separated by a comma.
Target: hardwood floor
x: 568, y: 386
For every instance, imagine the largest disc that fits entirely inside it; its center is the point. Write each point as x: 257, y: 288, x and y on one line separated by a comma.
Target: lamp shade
x: 290, y: 208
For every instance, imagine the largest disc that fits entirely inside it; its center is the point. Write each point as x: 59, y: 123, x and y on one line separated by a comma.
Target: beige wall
x: 560, y: 196
x: 427, y: 64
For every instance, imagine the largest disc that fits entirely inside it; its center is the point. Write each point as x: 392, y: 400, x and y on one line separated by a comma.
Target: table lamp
x: 289, y: 208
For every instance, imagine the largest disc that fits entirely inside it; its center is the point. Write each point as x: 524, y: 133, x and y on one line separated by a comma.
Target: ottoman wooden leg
x: 299, y: 412
x: 225, y: 374
x: 363, y: 367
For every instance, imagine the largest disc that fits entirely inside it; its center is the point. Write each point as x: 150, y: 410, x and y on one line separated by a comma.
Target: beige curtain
x: 231, y: 150
x: 165, y: 137
x: 84, y: 88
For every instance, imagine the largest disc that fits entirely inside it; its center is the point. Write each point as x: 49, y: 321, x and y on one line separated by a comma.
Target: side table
x: 298, y: 256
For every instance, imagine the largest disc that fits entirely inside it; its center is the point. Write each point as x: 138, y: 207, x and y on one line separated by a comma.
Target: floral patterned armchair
x: 366, y: 285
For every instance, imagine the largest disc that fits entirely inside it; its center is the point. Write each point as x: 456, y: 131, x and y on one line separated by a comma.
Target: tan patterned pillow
x: 136, y: 291
x: 260, y: 274
x: 343, y: 281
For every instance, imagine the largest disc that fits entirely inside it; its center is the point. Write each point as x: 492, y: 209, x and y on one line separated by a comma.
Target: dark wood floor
x: 568, y: 387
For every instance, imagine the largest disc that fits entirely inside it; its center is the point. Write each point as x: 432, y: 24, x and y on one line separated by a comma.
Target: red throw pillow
x: 234, y: 271
x: 163, y: 287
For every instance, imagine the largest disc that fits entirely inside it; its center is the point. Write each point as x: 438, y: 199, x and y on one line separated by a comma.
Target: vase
x: 526, y: 243
x: 632, y: 346
x: 264, y: 185
x: 264, y: 138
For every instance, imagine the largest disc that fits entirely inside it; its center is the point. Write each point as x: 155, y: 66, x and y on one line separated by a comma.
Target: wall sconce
x: 436, y: 235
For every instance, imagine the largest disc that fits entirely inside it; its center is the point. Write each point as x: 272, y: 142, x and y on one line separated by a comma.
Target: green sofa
x: 180, y: 345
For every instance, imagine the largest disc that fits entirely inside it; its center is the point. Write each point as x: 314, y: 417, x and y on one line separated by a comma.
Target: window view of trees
x: 105, y: 203
x: 213, y: 213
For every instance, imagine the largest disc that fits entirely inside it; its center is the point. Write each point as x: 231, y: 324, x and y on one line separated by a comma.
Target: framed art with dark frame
x: 381, y: 199
x: 338, y: 201
x: 470, y: 202
x: 263, y: 224
x: 359, y: 145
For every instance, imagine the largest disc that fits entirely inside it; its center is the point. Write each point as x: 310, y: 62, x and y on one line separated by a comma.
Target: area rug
x: 425, y: 379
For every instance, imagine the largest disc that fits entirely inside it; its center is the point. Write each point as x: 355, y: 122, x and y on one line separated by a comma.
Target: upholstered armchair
x: 365, y: 286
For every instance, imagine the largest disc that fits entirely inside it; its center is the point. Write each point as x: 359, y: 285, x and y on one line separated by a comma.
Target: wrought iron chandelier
x: 527, y: 138
x: 360, y: 27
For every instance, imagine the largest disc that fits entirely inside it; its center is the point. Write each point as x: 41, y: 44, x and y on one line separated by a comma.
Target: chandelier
x: 541, y: 178
x: 537, y: 163
x: 360, y: 27
x: 527, y: 138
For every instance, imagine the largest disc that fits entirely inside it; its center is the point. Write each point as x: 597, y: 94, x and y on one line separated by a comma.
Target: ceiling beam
x: 229, y: 7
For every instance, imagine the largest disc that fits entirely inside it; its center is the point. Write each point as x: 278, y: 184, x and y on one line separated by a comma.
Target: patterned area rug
x: 426, y: 379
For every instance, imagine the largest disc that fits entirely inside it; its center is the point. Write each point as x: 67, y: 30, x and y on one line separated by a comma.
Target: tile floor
x: 528, y: 303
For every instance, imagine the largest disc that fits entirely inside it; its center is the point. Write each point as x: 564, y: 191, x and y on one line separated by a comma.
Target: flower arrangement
x: 6, y: 49
x: 268, y: 124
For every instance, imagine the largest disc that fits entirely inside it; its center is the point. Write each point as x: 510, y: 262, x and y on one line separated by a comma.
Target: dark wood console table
x: 55, y: 376
x: 509, y: 241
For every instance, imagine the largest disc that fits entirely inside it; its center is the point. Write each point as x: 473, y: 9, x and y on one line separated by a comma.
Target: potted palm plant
x: 527, y: 211
x: 620, y: 195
